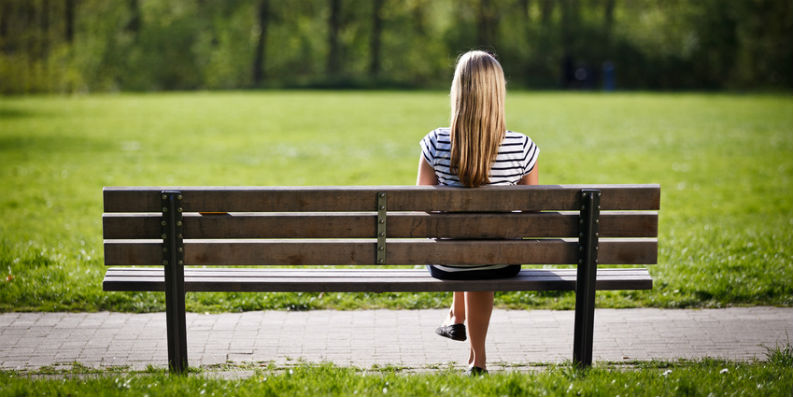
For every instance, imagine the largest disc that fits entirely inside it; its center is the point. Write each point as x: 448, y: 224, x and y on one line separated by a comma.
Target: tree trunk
x: 377, y: 28
x: 45, y: 29
x: 31, y: 41
x: 486, y: 24
x: 69, y: 16
x: 569, y: 23
x: 419, y: 17
x: 608, y: 20
x: 333, y: 38
x: 135, y: 19
x: 5, y: 8
x: 570, y: 19
x: 525, y: 7
x: 546, y: 12
x: 261, y: 42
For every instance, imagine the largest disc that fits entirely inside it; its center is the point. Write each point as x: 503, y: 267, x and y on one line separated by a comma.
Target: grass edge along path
x: 771, y: 377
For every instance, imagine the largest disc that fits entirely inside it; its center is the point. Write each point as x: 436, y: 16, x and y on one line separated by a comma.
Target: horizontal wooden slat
x: 400, y: 198
x: 362, y: 252
x: 364, y: 280
x: 363, y: 225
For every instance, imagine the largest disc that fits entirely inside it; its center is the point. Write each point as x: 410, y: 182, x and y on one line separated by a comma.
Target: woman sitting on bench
x: 477, y: 150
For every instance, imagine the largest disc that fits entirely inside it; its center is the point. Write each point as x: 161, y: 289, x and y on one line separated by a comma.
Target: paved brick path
x: 382, y: 337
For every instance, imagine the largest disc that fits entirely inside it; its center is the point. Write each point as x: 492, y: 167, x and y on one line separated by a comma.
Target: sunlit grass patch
x: 724, y: 162
x: 705, y: 377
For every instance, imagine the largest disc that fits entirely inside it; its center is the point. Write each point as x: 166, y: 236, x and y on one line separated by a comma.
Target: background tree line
x: 100, y: 45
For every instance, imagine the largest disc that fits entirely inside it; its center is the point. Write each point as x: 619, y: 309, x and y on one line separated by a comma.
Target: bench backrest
x: 393, y: 225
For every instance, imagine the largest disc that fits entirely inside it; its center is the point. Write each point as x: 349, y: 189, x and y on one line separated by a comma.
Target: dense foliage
x: 98, y: 45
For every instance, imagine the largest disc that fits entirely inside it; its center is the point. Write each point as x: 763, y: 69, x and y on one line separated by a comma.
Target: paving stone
x: 367, y: 337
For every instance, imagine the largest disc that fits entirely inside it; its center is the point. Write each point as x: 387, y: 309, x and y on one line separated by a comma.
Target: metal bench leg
x: 586, y: 278
x: 173, y: 261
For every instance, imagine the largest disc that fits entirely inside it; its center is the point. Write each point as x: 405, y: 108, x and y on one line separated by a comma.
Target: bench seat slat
x: 363, y: 280
x: 362, y: 252
x: 363, y: 225
x: 297, y: 272
x: 400, y: 198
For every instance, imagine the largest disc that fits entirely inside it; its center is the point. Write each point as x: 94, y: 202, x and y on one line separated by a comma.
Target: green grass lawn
x: 724, y: 162
x: 701, y: 378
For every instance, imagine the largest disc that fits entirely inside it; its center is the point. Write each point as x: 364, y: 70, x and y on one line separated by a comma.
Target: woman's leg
x: 457, y: 311
x: 453, y: 326
x: 478, y: 307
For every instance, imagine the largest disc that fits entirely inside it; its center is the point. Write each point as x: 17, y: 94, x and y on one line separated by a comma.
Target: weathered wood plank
x: 360, y: 280
x: 363, y: 225
x: 362, y: 252
x: 400, y: 198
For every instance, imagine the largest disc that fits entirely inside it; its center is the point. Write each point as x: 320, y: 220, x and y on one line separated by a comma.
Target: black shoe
x: 476, y: 371
x: 453, y: 332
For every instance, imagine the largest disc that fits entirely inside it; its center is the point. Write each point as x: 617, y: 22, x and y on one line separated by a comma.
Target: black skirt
x: 486, y: 274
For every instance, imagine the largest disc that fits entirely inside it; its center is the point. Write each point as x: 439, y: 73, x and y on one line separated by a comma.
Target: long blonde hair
x: 477, y: 122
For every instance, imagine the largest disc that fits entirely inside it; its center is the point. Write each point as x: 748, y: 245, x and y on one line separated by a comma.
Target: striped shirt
x: 516, y: 157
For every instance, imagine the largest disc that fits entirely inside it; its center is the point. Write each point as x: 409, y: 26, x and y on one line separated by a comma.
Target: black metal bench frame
x: 173, y: 261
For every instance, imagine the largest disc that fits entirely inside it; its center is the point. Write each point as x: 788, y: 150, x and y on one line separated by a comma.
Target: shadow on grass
x: 16, y: 113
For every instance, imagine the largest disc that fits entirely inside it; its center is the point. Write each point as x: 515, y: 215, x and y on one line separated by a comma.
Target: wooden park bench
x: 201, y: 236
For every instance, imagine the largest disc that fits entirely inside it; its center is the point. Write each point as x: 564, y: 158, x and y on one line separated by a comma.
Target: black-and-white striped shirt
x: 516, y: 157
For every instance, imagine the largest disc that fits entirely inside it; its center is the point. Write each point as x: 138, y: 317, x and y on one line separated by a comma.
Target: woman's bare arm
x: 532, y: 178
x: 426, y: 175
